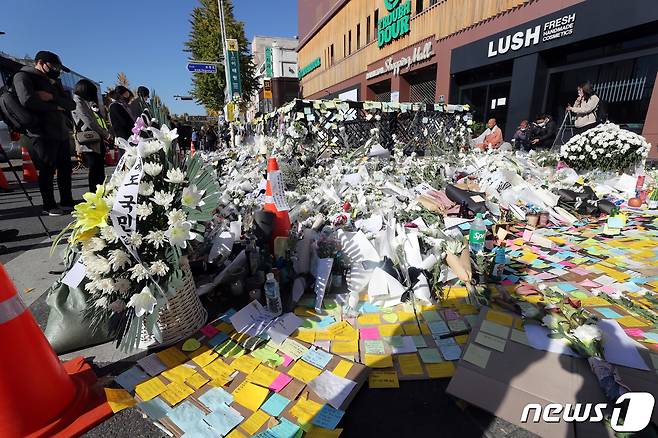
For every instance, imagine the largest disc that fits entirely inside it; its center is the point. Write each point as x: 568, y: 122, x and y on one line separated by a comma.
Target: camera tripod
x: 564, y: 127
x: 20, y: 183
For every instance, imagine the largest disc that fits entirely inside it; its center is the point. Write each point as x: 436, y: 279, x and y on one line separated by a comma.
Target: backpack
x: 16, y: 116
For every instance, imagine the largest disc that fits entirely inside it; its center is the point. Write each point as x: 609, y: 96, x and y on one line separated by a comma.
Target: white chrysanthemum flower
x: 138, y: 273
x: 122, y: 285
x: 163, y: 199
x: 191, y: 197
x: 153, y: 169
x: 164, y: 135
x: 98, y: 265
x: 144, y: 210
x: 143, y: 302
x: 159, y: 268
x: 92, y: 286
x: 175, y: 176
x: 149, y: 147
x: 145, y: 188
x: 106, y: 285
x: 101, y: 302
x: 109, y: 234
x: 156, y: 238
x: 179, y: 233
x: 176, y: 215
x: 587, y: 333
x: 119, y: 259
x: 135, y: 239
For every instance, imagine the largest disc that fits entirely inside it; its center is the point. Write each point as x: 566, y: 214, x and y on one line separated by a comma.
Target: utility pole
x: 222, y: 26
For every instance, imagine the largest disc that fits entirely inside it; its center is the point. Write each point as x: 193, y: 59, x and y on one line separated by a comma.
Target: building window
x: 419, y: 6
x: 344, y: 46
x: 349, y: 42
x: 331, y: 55
x: 376, y: 20
x: 358, y: 36
x: 433, y: 2
x: 368, y: 29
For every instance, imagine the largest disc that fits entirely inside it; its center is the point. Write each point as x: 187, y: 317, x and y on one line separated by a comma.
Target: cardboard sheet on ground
x: 522, y: 375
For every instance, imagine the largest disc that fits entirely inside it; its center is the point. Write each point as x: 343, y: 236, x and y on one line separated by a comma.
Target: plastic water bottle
x: 272, y: 295
x: 477, y: 234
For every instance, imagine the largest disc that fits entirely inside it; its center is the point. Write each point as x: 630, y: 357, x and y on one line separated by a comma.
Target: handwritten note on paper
x: 332, y: 388
x: 383, y: 379
x: 323, y: 274
x: 495, y: 329
x: 317, y: 358
x: 342, y: 368
x: 328, y: 417
x: 409, y: 364
x: 491, y: 341
x: 278, y: 191
x: 304, y: 371
x: 293, y: 348
x: 250, y: 396
x: 223, y: 420
x: 254, y: 423
x: 477, y: 355
x: 283, y: 327
x: 252, y: 319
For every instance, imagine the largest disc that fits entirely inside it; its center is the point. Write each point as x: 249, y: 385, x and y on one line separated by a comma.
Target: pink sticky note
x: 588, y: 283
x: 568, y: 264
x: 546, y: 276
x: 579, y: 271
x: 280, y: 382
x: 608, y: 290
x: 636, y: 332
x: 286, y: 360
x: 527, y: 235
x: 209, y: 331
x: 369, y: 333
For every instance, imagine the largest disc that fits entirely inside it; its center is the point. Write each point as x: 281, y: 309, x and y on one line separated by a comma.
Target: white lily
x: 143, y: 302
x: 179, y: 233
x: 164, y: 134
x: 175, y: 176
x: 191, y: 197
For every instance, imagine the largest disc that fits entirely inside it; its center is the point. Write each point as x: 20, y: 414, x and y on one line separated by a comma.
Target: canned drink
x: 640, y: 183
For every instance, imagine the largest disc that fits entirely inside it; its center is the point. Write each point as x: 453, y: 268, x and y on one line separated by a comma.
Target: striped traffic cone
x: 40, y: 397
x: 281, y: 225
x: 29, y: 171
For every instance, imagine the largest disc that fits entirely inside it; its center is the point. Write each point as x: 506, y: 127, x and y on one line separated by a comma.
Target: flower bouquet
x: 605, y: 147
x: 133, y: 234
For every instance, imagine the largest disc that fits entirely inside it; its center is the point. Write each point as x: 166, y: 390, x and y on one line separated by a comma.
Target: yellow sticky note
x: 196, y: 381
x: 343, y: 331
x: 594, y: 301
x: 250, y: 396
x: 176, y: 392
x: 323, y: 335
x: 225, y: 327
x: 369, y: 319
x: 319, y: 432
x: 218, y: 369
x: 119, y: 399
x: 345, y: 347
x: 457, y: 292
x: 304, y: 371
x: 235, y: 433
x: 150, y: 389
x: 518, y: 324
x: 342, y: 368
x: 246, y: 364
x: 440, y: 370
x: 304, y: 410
x: 631, y: 322
x: 461, y: 339
x: 409, y: 364
x: 220, y: 381
x: 379, y: 361
x: 383, y: 379
x: 253, y: 424
x: 500, y: 318
x: 179, y: 373
x: 263, y: 375
x: 171, y: 357
x: 390, y: 330
x: 406, y: 317
x: 411, y: 329
x: 305, y: 335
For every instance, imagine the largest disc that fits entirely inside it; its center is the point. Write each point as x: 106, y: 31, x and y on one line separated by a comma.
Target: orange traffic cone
x: 192, y: 150
x: 4, y: 184
x: 29, y: 171
x: 40, y: 397
x: 281, y: 225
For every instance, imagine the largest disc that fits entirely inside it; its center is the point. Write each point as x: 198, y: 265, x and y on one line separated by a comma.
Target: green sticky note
x: 374, y: 347
x: 229, y: 349
x: 419, y: 340
x: 430, y: 355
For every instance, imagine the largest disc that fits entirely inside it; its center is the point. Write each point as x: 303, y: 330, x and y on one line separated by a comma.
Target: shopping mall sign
x: 395, y: 24
x: 419, y: 54
x: 303, y: 71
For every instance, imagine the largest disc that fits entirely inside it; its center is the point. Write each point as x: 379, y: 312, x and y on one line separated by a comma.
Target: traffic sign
x: 198, y: 67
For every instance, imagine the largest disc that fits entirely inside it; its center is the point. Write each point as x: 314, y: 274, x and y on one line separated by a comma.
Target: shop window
x: 382, y: 91
x: 433, y: 2
x: 368, y: 29
x: 331, y: 55
x: 344, y: 46
x: 358, y: 36
x: 376, y: 20
x: 422, y: 84
x: 349, y: 42
x: 487, y: 101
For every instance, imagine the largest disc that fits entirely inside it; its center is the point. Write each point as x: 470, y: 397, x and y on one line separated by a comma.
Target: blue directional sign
x: 199, y: 67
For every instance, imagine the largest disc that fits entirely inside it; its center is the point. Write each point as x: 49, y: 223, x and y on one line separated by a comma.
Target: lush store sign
x: 549, y: 31
x: 395, y: 24
x: 309, y: 68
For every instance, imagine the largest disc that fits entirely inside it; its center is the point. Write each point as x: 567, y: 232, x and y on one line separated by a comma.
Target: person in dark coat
x: 211, y: 139
x: 544, y: 132
x: 40, y: 91
x: 121, y: 116
x: 521, y: 138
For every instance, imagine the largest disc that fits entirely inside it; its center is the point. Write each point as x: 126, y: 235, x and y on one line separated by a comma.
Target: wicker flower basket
x: 183, y: 316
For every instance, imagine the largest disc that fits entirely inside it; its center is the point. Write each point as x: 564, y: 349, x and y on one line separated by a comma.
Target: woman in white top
x: 585, y: 108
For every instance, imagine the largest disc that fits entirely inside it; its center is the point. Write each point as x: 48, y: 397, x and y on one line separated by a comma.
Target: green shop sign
x: 309, y: 68
x: 395, y: 24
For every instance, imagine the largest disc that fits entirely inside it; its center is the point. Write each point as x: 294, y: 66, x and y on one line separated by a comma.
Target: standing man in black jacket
x: 40, y: 91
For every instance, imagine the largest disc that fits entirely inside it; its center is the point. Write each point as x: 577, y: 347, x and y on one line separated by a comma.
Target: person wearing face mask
x: 585, y: 108
x: 121, y: 117
x: 40, y: 91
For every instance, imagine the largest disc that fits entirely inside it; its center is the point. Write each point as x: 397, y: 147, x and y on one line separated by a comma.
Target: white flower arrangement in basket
x: 133, y: 234
x: 605, y: 147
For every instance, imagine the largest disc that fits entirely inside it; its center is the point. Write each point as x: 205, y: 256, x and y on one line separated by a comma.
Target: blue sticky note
x: 155, y: 408
x: 285, y: 429
x: 325, y: 322
x: 450, y: 352
x: 186, y: 416
x: 615, y: 222
x: 131, y: 377
x: 567, y: 287
x: 639, y: 280
x: 218, y: 339
x: 465, y: 226
x: 227, y: 315
x: 224, y: 419
x: 328, y: 417
x: 651, y: 335
x: 215, y: 398
x: 275, y: 404
x: 631, y: 287
x: 438, y: 327
x: 367, y: 308
x: 317, y: 358
x: 198, y: 430
x: 607, y: 312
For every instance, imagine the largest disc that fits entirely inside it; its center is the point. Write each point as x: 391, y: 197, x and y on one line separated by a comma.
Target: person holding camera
x: 40, y: 91
x: 584, y: 108
x: 543, y: 132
